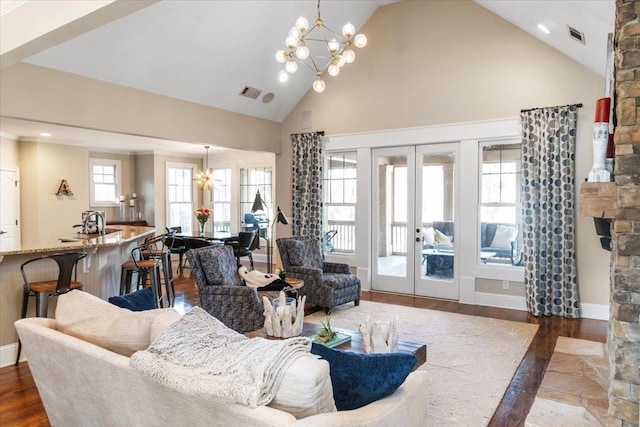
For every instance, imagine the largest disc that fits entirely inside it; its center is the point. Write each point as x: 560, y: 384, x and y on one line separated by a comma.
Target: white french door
x: 415, y: 194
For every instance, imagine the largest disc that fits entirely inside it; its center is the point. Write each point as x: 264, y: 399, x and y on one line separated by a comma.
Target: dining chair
x: 244, y: 246
x: 175, y: 244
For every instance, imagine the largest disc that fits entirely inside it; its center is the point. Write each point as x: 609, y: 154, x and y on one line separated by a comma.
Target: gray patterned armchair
x: 326, y: 284
x: 222, y: 291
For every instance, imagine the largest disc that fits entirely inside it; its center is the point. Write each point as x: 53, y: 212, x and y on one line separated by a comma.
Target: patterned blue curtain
x: 307, y: 185
x: 548, y: 199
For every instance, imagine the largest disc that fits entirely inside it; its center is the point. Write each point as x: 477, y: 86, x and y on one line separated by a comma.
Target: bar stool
x: 142, y: 267
x: 44, y: 290
x: 159, y: 250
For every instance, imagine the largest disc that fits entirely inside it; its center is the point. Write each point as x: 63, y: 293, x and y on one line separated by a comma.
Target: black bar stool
x: 158, y: 249
x: 44, y: 290
x: 142, y: 267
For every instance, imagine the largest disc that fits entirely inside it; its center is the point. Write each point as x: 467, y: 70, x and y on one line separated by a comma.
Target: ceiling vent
x: 250, y: 92
x: 576, y: 35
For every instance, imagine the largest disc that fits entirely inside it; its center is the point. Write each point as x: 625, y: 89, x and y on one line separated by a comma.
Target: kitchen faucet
x: 86, y: 222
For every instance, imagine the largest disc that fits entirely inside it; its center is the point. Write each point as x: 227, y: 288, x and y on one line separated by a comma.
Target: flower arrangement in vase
x: 202, y: 215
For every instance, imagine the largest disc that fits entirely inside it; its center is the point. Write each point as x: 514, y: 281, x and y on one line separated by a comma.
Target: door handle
x: 3, y: 232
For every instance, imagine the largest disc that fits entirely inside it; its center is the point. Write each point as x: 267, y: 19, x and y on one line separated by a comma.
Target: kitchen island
x: 99, y: 272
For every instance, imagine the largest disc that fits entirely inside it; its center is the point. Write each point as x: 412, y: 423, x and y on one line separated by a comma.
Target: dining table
x: 214, y: 237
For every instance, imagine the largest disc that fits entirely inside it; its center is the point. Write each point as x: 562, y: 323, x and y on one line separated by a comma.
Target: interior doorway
x: 9, y: 209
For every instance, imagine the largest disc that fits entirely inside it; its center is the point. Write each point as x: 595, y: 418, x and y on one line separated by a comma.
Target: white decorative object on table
x: 379, y: 336
x: 285, y: 317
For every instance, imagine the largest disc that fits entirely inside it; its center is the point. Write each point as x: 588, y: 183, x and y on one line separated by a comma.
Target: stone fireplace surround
x: 624, y: 324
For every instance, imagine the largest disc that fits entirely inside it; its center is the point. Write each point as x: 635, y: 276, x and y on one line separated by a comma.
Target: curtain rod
x: 557, y: 106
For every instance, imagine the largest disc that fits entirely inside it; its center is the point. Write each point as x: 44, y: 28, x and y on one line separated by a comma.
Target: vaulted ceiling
x: 207, y: 52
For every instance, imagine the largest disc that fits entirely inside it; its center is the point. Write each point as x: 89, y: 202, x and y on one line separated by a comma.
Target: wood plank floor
x: 20, y: 403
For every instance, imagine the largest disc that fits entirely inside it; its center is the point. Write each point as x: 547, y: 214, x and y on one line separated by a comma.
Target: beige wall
x: 42, y: 94
x: 436, y: 62
x: 45, y: 216
x: 8, y: 151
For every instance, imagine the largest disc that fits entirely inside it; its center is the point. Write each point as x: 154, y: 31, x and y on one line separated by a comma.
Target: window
x: 500, y: 216
x: 253, y: 180
x: 340, y: 198
x: 180, y: 196
x: 105, y: 186
x: 222, y: 200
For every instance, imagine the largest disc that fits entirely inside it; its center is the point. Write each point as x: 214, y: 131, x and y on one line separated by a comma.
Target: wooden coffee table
x: 308, y: 329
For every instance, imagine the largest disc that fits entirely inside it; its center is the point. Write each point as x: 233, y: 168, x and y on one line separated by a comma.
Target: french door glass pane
x: 437, y: 186
x: 392, y: 216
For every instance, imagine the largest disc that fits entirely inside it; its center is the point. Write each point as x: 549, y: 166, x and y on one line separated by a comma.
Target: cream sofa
x: 83, y: 384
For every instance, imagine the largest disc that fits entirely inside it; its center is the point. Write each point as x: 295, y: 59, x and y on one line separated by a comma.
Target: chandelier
x: 334, y: 49
x: 204, y: 178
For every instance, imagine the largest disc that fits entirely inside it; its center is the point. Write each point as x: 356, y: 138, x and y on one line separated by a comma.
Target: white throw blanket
x: 198, y: 355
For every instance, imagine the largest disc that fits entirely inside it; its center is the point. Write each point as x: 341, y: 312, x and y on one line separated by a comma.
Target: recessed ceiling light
x: 45, y: 134
x: 543, y: 28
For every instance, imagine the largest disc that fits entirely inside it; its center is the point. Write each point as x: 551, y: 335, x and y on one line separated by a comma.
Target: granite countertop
x: 120, y: 234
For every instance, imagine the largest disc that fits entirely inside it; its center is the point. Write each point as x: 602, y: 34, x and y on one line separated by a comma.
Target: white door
x: 436, y: 263
x: 415, y: 194
x: 9, y: 209
x: 393, y: 178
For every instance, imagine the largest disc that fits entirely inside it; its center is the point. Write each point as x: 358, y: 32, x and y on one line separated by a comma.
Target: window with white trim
x: 180, y: 196
x: 340, y: 197
x: 105, y: 182
x: 500, y: 205
x: 222, y: 200
x: 253, y: 180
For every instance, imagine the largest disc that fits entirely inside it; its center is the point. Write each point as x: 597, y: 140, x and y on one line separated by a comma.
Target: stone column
x: 624, y: 327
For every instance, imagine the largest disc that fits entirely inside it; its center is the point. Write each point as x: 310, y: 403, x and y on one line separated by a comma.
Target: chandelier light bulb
x: 340, y: 60
x: 360, y: 41
x: 291, y: 42
x: 319, y: 85
x: 333, y: 45
x: 295, y: 33
x: 302, y: 52
x: 333, y: 70
x: 348, y: 30
x: 281, y: 56
x: 283, y: 76
x: 291, y: 66
x: 349, y: 56
x: 302, y: 24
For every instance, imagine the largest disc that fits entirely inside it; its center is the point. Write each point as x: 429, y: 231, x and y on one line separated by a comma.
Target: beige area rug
x: 574, y: 391
x: 470, y: 359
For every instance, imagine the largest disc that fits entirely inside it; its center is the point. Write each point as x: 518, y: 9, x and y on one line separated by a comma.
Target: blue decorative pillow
x: 135, y: 301
x: 359, y: 379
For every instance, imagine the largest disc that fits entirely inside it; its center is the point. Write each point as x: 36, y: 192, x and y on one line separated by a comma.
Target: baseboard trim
x: 595, y: 311
x: 501, y: 301
x: 589, y: 311
x: 8, y: 355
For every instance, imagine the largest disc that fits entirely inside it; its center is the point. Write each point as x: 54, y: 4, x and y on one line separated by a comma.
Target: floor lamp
x: 282, y: 219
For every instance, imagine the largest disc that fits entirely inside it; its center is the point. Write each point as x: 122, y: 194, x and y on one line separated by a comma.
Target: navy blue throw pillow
x: 135, y: 301
x: 359, y: 379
